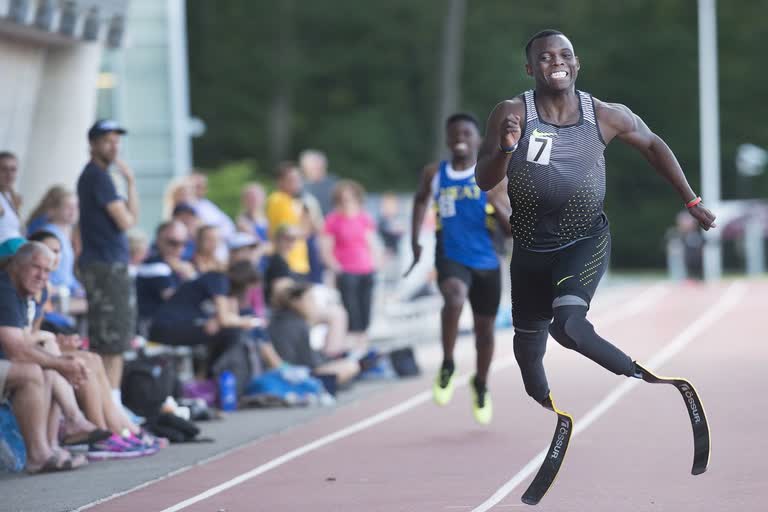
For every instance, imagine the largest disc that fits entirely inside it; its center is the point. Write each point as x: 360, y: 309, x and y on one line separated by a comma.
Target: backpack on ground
x: 147, y: 382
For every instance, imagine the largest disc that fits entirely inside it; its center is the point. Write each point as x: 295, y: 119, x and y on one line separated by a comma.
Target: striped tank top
x: 557, y: 180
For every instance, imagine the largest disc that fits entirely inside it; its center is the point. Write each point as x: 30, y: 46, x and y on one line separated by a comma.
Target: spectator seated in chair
x: 159, y: 276
x: 94, y: 395
x: 39, y: 383
x: 326, y: 313
x: 205, y: 311
x: 289, y: 331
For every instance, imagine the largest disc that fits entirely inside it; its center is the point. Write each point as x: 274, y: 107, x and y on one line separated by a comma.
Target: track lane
x: 385, y: 464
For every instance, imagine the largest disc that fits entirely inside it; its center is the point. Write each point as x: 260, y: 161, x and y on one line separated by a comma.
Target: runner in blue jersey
x: 467, y: 265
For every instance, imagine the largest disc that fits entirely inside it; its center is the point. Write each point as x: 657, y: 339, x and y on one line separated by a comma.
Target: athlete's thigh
x: 531, y: 278
x: 485, y: 291
x: 580, y: 267
x: 454, y: 280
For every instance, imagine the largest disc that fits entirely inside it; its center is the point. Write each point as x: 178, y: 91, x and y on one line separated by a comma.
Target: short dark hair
x: 42, y: 234
x: 284, y: 168
x: 241, y: 275
x: 7, y: 154
x: 540, y: 35
x: 163, y: 226
x: 462, y: 116
x: 183, y: 208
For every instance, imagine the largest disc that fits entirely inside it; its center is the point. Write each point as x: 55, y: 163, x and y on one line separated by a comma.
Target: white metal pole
x: 179, y: 87
x: 709, y: 109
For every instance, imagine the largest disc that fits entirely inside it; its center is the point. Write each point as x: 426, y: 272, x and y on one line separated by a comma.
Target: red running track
x: 631, y: 451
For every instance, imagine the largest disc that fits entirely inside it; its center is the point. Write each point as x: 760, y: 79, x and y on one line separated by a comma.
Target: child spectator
x: 61, y: 214
x: 207, y: 243
x: 39, y: 216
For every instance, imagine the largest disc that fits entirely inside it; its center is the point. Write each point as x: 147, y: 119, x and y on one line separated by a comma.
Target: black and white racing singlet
x: 557, y: 180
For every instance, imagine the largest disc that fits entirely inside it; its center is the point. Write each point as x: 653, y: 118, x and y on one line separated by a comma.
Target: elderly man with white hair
x: 30, y: 376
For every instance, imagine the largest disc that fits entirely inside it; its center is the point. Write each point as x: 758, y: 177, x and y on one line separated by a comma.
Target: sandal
x: 57, y: 462
x: 94, y: 436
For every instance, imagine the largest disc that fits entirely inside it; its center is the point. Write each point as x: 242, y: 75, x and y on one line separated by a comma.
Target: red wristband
x: 693, y: 202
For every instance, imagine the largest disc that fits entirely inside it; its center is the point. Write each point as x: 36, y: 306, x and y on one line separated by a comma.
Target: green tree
x: 361, y: 81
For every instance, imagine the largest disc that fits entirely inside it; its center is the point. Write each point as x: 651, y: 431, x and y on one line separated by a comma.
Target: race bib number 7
x: 539, y: 148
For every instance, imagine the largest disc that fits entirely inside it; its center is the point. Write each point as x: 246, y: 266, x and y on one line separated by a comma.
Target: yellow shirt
x: 284, y: 209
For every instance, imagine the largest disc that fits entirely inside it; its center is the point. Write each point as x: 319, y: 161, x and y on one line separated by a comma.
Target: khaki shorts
x: 111, y: 294
x: 5, y: 369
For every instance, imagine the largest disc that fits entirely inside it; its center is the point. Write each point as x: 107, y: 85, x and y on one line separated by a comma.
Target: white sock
x: 117, y: 397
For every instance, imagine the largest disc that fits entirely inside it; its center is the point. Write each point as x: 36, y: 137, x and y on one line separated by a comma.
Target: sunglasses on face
x: 174, y: 243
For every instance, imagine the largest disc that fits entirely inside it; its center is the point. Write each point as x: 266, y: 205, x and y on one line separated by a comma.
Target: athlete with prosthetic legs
x: 549, y: 143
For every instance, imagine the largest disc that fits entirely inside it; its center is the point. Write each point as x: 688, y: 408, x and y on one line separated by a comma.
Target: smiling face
x: 553, y: 63
x: 463, y: 139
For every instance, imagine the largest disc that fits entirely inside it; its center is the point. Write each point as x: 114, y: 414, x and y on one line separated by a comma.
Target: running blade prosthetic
x: 554, y: 457
x: 701, y: 438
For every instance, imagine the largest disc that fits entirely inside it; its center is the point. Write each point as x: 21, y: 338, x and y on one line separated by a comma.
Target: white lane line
x: 728, y: 300
x: 643, y: 300
x: 326, y: 440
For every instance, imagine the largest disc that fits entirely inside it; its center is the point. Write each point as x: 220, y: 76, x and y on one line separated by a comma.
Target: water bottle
x: 64, y: 293
x: 227, y: 391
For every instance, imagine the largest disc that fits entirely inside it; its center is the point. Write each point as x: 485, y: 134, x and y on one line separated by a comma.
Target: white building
x: 63, y: 63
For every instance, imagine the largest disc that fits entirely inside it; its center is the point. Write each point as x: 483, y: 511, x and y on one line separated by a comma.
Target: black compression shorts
x: 538, y: 278
x: 484, y: 285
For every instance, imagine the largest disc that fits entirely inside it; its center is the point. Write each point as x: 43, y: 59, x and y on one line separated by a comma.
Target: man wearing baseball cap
x: 105, y: 217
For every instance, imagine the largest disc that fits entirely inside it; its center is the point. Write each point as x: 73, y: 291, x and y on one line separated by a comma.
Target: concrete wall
x: 22, y: 66
x: 48, y: 83
x: 58, y: 146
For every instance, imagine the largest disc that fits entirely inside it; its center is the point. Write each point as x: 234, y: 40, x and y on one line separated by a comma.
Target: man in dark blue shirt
x: 104, y: 218
x: 158, y: 277
x: 22, y: 361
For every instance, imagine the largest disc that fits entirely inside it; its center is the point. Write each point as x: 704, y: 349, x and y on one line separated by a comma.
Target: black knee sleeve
x: 530, y: 347
x: 572, y: 330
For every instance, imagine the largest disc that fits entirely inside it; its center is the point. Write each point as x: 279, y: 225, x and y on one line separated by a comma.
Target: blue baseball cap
x: 10, y: 246
x: 103, y: 127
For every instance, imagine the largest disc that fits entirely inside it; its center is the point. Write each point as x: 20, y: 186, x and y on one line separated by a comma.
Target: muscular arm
x: 492, y: 163
x: 618, y: 121
x: 420, y: 205
x: 499, y: 199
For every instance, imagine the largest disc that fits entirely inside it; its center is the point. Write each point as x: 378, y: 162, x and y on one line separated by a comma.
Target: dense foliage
x: 360, y: 80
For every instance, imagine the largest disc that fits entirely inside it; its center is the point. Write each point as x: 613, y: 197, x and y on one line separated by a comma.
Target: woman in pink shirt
x: 348, y: 253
